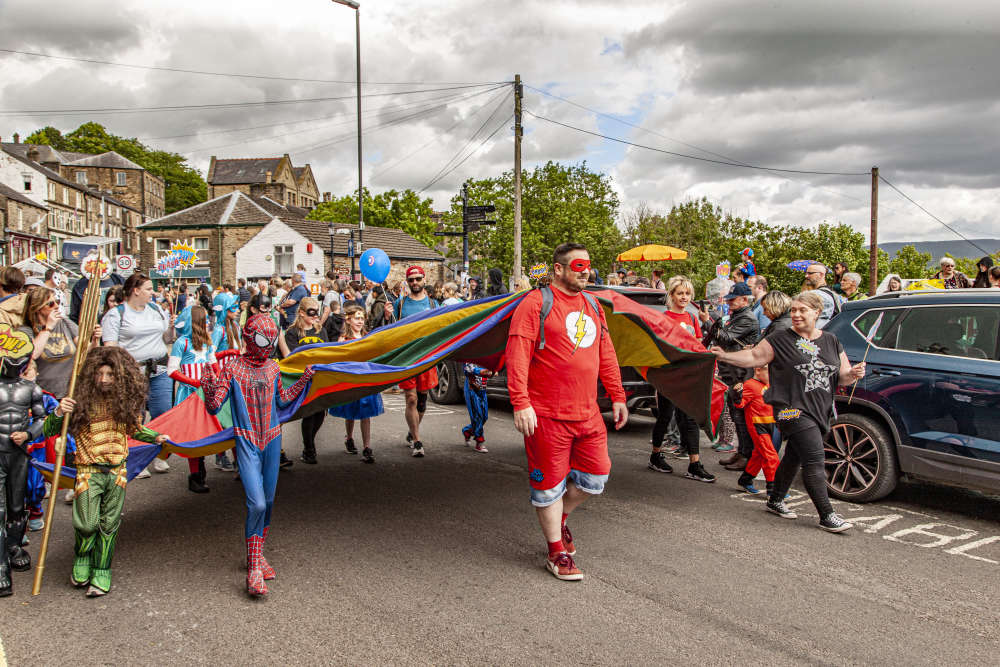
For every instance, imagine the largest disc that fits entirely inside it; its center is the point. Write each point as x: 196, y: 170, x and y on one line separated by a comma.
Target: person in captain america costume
x: 252, y: 383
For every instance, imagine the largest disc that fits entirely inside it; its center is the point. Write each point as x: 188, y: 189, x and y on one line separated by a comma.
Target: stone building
x: 237, y: 236
x: 272, y: 177
x: 124, y: 179
x: 23, y: 222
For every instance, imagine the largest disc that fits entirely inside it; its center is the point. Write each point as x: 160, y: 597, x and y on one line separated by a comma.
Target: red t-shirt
x: 560, y: 381
x: 687, y: 321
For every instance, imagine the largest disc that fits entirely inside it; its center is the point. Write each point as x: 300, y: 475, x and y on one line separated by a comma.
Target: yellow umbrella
x: 651, y: 253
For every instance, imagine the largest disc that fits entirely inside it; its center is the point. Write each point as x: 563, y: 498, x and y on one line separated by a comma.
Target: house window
x: 52, y: 191
x: 284, y: 259
x: 65, y: 196
x: 79, y: 200
x: 27, y: 182
x: 162, y: 245
x: 120, y: 178
x: 81, y: 177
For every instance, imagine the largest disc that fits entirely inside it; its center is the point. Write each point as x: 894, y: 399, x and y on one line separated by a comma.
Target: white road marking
x: 3, y: 656
x: 924, y: 530
x: 396, y: 403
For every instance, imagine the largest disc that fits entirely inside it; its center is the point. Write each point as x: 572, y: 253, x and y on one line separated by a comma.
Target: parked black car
x: 640, y: 394
x: 929, y: 406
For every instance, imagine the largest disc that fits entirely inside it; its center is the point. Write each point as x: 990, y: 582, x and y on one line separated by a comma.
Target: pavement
x: 440, y: 560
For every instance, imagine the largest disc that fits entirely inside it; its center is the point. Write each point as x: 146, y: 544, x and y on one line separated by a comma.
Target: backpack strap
x: 546, y: 309
x: 833, y: 297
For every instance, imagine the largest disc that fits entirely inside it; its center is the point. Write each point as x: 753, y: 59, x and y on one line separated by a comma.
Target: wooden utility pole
x: 518, y: 133
x: 873, y: 238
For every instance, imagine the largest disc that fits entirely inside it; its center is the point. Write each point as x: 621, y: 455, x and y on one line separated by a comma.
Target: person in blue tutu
x: 362, y: 409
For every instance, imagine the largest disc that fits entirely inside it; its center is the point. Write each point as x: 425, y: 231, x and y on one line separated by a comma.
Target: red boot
x: 255, y: 578
x: 265, y: 567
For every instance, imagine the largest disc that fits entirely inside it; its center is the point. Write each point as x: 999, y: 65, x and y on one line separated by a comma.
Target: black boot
x: 20, y: 560
x: 196, y: 483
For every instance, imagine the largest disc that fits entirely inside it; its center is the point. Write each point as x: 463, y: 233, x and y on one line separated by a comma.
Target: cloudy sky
x: 910, y: 86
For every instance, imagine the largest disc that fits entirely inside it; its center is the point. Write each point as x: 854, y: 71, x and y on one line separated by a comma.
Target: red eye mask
x: 579, y: 265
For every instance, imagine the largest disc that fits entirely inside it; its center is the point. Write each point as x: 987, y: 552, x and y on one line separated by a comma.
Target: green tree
x: 910, y: 263
x: 184, y: 185
x: 400, y: 210
x: 559, y: 203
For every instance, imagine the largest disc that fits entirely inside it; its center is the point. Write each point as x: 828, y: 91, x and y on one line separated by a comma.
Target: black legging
x: 665, y: 410
x: 804, y: 449
x: 740, y: 422
x: 310, y: 427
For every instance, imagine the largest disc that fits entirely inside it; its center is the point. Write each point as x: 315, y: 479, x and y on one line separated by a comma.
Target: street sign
x: 480, y: 210
x: 314, y: 289
x: 472, y: 226
x: 125, y: 262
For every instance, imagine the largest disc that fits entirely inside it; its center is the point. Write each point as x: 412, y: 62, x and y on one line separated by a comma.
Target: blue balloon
x: 375, y: 265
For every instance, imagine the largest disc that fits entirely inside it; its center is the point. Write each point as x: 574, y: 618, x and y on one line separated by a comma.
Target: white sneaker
x: 161, y: 466
x: 143, y: 475
x: 69, y: 496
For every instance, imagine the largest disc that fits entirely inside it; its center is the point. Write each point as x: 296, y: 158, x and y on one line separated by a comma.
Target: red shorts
x: 557, y: 446
x: 423, y: 382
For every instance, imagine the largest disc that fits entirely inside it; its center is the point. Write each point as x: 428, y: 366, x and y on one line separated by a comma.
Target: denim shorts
x: 585, y: 481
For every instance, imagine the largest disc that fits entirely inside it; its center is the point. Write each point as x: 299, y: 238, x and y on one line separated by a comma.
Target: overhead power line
x: 351, y: 117
x: 443, y: 170
x: 395, y: 163
x: 227, y: 105
x: 95, y: 61
x: 423, y: 107
x: 939, y: 220
x: 616, y: 119
x: 474, y: 151
x: 727, y: 163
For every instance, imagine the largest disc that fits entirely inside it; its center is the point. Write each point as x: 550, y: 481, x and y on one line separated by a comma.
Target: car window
x: 883, y: 322
x: 958, y: 331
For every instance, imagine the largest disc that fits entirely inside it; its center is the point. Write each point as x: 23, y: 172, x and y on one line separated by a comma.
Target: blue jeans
x: 160, y: 398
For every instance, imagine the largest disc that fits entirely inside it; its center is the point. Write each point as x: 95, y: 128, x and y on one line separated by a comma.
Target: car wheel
x: 449, y: 386
x: 860, y: 459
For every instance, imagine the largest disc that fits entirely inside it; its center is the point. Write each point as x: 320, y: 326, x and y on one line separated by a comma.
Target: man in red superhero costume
x: 252, y: 382
x: 552, y: 377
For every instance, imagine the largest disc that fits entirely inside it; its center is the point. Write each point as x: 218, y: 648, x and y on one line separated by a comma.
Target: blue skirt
x: 363, y: 408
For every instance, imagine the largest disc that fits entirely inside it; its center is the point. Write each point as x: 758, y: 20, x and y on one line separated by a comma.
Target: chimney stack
x: 326, y: 197
x: 267, y: 177
x: 32, y: 153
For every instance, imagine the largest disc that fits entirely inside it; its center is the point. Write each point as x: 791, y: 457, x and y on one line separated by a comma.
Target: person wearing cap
x: 740, y: 331
x: 415, y: 389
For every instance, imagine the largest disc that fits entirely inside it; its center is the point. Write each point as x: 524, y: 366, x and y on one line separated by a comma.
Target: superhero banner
x: 672, y: 360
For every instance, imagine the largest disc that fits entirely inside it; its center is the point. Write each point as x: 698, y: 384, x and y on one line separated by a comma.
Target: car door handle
x: 884, y: 372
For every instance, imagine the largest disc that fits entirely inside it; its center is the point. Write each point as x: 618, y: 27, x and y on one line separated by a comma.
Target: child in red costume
x: 760, y: 423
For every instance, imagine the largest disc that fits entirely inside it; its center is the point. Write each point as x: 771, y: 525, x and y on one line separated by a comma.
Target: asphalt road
x: 440, y: 560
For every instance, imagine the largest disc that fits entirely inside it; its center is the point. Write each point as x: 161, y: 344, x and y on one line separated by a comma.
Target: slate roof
x: 11, y: 193
x: 110, y: 160
x: 45, y: 171
x: 234, y: 208
x: 395, y: 242
x: 238, y: 171
x: 45, y: 153
x: 282, y: 211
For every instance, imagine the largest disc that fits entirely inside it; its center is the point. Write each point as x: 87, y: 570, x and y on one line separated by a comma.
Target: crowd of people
x: 153, y: 348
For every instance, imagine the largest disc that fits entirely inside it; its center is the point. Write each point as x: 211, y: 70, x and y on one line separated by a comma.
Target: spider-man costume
x: 252, y: 382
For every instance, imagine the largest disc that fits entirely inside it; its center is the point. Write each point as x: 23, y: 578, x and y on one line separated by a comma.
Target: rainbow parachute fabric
x: 672, y: 360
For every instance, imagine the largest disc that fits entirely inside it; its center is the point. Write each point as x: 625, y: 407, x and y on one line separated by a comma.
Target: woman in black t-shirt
x: 806, y: 364
x: 306, y: 330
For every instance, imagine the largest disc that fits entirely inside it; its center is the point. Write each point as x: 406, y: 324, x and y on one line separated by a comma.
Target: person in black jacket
x: 740, y: 331
x: 76, y: 299
x: 496, y: 286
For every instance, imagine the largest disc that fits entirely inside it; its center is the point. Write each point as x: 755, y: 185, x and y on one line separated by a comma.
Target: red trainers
x: 255, y: 578
x: 567, y: 538
x: 562, y: 567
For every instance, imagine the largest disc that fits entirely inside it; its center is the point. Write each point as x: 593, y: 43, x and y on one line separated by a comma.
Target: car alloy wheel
x: 860, y: 461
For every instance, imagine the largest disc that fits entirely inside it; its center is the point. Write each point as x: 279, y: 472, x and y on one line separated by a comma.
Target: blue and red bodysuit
x: 252, y: 383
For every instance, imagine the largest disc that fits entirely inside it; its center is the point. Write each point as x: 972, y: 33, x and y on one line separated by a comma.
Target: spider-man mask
x: 260, y: 335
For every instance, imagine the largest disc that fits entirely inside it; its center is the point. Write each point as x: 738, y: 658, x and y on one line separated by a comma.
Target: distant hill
x: 938, y: 249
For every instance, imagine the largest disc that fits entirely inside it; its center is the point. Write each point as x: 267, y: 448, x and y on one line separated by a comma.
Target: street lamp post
x: 345, y: 231
x: 356, y: 6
